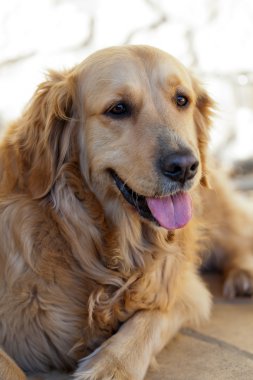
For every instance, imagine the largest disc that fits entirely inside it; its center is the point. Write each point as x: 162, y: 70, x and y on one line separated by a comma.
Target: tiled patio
x: 220, y: 350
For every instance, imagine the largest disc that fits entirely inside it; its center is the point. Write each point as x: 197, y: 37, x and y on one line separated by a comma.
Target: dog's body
x: 81, y: 268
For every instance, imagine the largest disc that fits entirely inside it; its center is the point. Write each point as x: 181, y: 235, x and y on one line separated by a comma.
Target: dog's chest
x: 40, y: 324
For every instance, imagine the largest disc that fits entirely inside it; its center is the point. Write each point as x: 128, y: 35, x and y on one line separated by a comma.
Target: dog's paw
x: 238, y: 282
x: 102, y: 364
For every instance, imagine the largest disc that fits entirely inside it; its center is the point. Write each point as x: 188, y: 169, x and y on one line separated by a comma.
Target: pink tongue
x: 171, y: 212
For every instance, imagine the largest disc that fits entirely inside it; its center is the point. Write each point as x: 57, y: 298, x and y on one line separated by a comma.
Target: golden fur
x: 80, y: 270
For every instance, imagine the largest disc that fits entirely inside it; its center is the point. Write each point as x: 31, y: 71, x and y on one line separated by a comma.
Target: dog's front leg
x: 128, y: 353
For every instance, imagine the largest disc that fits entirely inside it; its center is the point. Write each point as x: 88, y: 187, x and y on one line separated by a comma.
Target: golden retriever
x: 104, y: 210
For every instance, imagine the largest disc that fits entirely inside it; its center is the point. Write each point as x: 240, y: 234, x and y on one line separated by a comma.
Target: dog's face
x: 140, y: 123
x: 141, y: 128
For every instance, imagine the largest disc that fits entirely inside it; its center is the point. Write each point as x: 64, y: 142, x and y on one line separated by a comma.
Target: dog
x: 108, y: 200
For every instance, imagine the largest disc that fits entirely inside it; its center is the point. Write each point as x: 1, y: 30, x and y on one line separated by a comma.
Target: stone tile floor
x: 220, y: 350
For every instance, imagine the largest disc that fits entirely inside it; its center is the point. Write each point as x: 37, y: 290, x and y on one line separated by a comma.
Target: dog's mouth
x: 171, y: 211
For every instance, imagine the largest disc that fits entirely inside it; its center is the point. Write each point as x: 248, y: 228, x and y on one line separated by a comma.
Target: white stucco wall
x: 213, y: 37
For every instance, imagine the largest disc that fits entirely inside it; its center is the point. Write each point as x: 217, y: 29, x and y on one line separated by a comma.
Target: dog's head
x: 141, y: 128
x: 145, y: 125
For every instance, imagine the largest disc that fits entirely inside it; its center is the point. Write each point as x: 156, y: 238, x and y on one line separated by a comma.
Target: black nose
x: 180, y: 166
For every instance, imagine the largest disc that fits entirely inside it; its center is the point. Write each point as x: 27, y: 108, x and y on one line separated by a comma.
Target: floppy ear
x: 203, y: 114
x: 48, y: 125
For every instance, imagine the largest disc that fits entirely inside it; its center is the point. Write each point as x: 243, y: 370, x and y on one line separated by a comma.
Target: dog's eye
x: 119, y: 109
x: 182, y: 100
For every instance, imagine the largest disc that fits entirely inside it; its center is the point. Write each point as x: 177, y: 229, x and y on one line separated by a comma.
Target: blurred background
x: 214, y: 38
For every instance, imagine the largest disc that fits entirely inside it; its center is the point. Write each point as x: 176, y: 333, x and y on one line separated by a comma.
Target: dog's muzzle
x: 171, y: 211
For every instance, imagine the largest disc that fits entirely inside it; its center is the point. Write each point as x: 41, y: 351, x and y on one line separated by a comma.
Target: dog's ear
x: 204, y: 111
x: 48, y: 121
